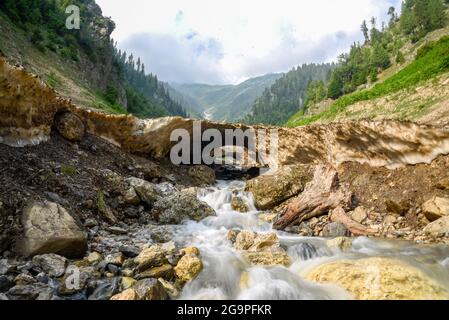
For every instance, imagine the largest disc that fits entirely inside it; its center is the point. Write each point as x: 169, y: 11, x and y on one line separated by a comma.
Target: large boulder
x: 271, y: 190
x: 70, y: 126
x: 436, y: 208
x: 49, y: 228
x: 181, y: 206
x: 379, y: 279
x: 438, y: 227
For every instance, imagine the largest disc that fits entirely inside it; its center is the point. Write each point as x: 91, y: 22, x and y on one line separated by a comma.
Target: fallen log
x: 357, y: 229
x: 319, y: 196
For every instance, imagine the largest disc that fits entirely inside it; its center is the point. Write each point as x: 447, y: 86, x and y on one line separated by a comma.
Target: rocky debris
x: 130, y: 196
x: 172, y: 289
x: 188, y: 268
x: 129, y: 251
x: 49, y: 228
x: 203, y: 176
x: 94, y: 257
x: 443, y: 184
x: 180, y: 206
x: 436, y: 208
x: 105, y: 289
x: 104, y: 210
x: 379, y: 279
x: 271, y: 190
x: 320, y: 196
x: 145, y: 190
x: 335, y: 229
x: 70, y: 126
x: 127, y: 282
x: 342, y: 243
x: 237, y: 204
x: 398, y: 208
x: 438, y: 227
x: 51, y: 264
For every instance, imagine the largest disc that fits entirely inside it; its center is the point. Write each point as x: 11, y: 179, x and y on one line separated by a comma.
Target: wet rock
x: 105, y: 289
x: 188, y: 268
x: 129, y: 251
x: 239, y: 205
x: 127, y: 282
x: 52, y: 264
x: 150, y: 289
x: 438, y: 227
x: 335, y: 229
x: 6, y: 283
x: 271, y: 190
x: 170, y: 288
x: 267, y: 217
x: 267, y: 258
x: 379, y: 279
x: 341, y: 243
x: 165, y: 271
x: 436, y: 208
x: 251, y: 241
x: 145, y: 190
x: 127, y: 295
x: 180, y: 206
x: 202, y: 175
x: 70, y: 126
x: 190, y: 250
x: 232, y: 235
x: 49, y: 228
x: 27, y: 291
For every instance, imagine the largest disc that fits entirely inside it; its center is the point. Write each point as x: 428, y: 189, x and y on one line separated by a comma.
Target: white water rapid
x: 224, y: 266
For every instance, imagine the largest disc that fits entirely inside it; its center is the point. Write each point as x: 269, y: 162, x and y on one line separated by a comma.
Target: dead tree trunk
x: 357, y: 229
x: 320, y: 195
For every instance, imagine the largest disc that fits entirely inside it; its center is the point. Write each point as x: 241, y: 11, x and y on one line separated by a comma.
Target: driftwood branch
x: 320, y: 196
x: 357, y: 229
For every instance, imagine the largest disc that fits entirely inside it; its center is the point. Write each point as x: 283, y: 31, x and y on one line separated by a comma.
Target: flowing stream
x: 224, y: 266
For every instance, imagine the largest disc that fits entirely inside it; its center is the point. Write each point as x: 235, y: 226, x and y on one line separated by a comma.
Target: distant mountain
x: 221, y: 102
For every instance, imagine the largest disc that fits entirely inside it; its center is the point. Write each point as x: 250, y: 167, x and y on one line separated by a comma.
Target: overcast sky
x: 228, y: 41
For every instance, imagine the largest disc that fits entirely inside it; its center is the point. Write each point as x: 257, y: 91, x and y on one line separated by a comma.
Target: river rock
x: 202, y: 175
x: 145, y: 190
x: 188, y: 267
x: 52, y: 264
x: 172, y: 290
x: 341, y: 243
x: 267, y: 258
x: 379, y: 279
x: 271, y: 190
x: 127, y: 295
x: 27, y: 291
x: 436, y: 208
x: 165, y: 271
x: 154, y: 256
x: 438, y: 227
x: 335, y: 229
x: 94, y: 257
x: 70, y: 126
x: 150, y: 289
x: 127, y: 282
x: 6, y: 283
x: 251, y: 241
x: 49, y: 228
x: 181, y: 206
x: 237, y: 204
x: 359, y: 214
x: 105, y: 289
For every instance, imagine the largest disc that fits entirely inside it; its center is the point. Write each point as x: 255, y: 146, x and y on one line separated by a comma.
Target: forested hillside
x: 83, y: 64
x: 287, y: 95
x: 394, y: 56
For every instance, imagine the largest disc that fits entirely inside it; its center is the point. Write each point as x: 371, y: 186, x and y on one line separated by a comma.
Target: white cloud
x: 232, y: 40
